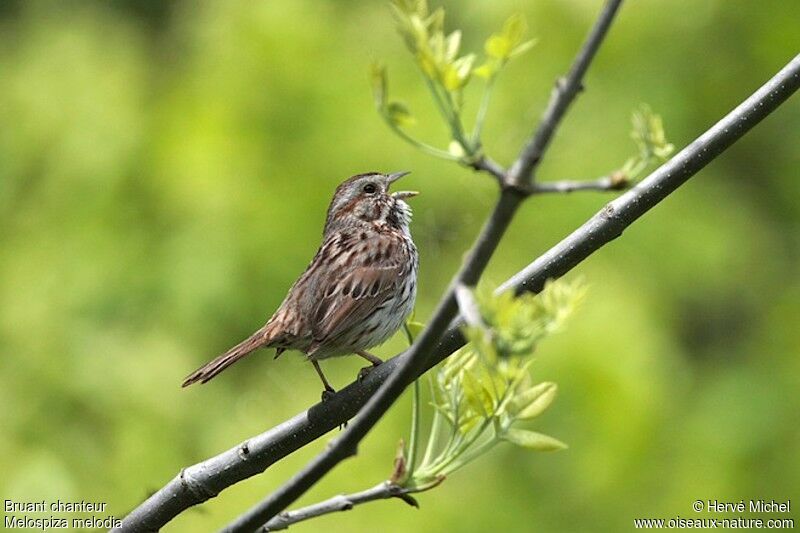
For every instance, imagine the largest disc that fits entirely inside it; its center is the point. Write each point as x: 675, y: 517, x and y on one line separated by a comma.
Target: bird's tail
x: 209, y: 370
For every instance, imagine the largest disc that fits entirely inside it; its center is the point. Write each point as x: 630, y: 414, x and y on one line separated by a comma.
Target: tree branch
x: 382, y: 491
x: 613, y: 182
x: 486, y: 164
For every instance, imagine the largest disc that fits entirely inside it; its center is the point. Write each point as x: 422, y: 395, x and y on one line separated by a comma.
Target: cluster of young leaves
x: 446, y: 73
x: 648, y: 134
x: 484, y: 391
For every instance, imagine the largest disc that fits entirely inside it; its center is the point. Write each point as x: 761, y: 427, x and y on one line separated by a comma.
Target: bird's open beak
x: 401, y: 195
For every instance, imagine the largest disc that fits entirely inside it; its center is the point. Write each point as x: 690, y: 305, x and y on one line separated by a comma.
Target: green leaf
x: 476, y: 395
x: 453, y: 44
x: 463, y: 66
x: 457, y: 74
x: 498, y: 47
x: 437, y: 46
x: 514, y: 28
x: 522, y: 48
x: 485, y: 71
x: 534, y: 441
x: 445, y: 411
x: 456, y: 149
x: 408, y: 6
x: 450, y: 79
x: 535, y: 400
x: 427, y: 63
x: 449, y: 374
x: 435, y: 22
x: 468, y: 423
x: 379, y: 80
x: 398, y: 114
x: 404, y: 27
x: 648, y: 134
x: 508, y: 43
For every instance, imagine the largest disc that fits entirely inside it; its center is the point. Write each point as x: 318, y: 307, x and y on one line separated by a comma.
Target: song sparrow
x: 355, y: 293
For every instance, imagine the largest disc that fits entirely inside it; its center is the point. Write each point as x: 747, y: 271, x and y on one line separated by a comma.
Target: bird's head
x: 365, y: 199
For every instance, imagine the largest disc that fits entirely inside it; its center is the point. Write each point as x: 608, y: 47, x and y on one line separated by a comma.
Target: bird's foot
x: 328, y: 393
x: 364, y: 372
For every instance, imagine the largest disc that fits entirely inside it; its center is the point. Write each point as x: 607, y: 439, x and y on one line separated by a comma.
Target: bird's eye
x: 370, y: 188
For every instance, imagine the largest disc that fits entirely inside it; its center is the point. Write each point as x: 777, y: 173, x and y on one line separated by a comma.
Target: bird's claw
x: 327, y: 394
x: 364, y: 372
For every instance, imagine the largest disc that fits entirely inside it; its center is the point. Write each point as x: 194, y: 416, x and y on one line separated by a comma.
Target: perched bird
x: 356, y: 292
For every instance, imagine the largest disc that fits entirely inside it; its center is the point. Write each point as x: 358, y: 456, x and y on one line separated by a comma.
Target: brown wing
x: 351, y: 298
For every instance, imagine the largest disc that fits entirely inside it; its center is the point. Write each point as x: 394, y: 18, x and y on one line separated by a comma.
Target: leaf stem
x: 428, y: 149
x: 447, y: 108
x: 482, y: 110
x: 447, y: 112
x: 414, y: 437
x: 433, y: 438
x: 458, y: 128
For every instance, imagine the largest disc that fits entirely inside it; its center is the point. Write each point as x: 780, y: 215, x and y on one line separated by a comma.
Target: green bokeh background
x: 164, y: 172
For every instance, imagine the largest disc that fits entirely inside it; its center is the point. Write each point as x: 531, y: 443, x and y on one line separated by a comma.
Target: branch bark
x: 486, y: 164
x: 198, y: 483
x: 612, y: 182
x: 343, y: 502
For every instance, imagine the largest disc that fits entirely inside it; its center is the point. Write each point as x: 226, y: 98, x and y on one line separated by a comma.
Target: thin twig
x: 521, y: 173
x: 613, y: 182
x: 424, y: 147
x: 197, y: 483
x: 511, y: 197
x: 343, y: 502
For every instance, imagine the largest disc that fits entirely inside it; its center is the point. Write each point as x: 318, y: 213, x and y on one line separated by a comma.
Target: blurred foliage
x: 164, y: 174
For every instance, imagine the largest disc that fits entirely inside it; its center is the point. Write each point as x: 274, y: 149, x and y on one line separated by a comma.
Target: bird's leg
x: 369, y: 357
x: 329, y: 391
x: 367, y: 369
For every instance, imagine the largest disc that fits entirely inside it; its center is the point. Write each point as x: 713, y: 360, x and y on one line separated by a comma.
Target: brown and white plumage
x: 358, y: 289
